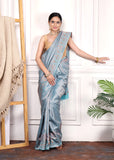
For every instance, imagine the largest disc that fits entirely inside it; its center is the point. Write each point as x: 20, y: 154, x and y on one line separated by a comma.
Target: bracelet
x: 46, y: 75
x: 97, y: 60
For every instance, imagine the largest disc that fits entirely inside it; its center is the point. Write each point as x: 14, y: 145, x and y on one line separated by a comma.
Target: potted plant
x: 104, y: 102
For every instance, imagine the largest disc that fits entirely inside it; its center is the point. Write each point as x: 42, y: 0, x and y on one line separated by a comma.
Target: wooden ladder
x: 24, y: 102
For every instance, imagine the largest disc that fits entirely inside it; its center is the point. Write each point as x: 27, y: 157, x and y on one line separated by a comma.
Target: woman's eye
x: 58, y: 22
x: 52, y: 21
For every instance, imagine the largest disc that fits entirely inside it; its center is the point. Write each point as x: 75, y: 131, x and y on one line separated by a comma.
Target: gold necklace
x: 54, y: 33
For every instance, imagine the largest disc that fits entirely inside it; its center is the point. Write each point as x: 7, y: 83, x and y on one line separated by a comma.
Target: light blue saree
x: 49, y: 133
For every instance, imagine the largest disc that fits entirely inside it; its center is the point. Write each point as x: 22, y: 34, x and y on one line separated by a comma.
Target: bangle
x: 97, y: 60
x: 46, y: 75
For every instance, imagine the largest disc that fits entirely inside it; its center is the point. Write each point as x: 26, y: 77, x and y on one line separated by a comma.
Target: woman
x: 53, y: 60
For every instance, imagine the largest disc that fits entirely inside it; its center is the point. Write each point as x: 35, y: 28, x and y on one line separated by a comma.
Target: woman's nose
x: 55, y: 24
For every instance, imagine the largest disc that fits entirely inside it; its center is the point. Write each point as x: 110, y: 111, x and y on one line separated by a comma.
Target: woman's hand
x: 51, y: 79
x: 101, y: 59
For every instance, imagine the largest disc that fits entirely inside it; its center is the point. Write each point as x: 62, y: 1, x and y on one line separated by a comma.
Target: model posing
x: 53, y: 60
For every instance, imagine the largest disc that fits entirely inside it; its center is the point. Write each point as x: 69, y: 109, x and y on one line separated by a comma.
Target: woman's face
x: 55, y: 24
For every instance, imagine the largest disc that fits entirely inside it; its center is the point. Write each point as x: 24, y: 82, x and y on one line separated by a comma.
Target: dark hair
x: 55, y: 14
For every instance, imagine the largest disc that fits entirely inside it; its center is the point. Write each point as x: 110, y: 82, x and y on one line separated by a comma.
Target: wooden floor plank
x: 70, y: 151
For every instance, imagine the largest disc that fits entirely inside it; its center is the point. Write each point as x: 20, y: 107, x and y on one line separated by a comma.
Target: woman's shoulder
x: 67, y: 33
x: 43, y: 37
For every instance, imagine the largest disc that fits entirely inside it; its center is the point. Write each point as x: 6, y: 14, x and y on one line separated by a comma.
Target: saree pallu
x: 49, y: 133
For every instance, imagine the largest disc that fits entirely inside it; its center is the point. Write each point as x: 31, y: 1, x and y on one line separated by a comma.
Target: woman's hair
x: 55, y: 14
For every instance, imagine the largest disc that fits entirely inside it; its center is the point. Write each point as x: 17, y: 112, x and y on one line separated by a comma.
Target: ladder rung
x: 16, y: 102
x: 17, y: 20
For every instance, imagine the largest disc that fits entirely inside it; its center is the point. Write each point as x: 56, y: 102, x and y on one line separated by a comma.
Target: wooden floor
x: 70, y: 151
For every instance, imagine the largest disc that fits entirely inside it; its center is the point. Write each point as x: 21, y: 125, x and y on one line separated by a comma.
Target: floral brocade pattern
x: 49, y: 133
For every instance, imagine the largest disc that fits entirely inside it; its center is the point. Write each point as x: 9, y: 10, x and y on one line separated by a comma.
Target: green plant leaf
x: 106, y: 100
x: 111, y: 96
x: 97, y: 112
x: 107, y: 86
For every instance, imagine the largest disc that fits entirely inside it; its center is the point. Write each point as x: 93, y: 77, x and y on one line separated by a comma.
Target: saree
x: 49, y: 133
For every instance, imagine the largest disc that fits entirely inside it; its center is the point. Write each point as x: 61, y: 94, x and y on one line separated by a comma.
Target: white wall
x: 91, y: 23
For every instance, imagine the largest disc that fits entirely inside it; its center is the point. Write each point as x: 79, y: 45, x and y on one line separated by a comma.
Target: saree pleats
x: 49, y: 133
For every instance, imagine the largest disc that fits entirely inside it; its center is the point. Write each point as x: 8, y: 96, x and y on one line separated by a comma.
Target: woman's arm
x: 39, y: 62
x: 38, y: 56
x: 83, y: 54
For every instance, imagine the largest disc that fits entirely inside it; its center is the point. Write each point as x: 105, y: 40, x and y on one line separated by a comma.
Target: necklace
x: 51, y: 33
